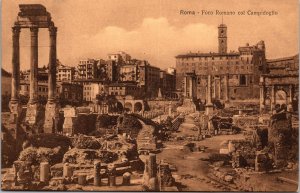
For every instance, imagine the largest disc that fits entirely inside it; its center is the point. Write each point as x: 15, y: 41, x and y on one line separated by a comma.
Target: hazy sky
x: 152, y: 30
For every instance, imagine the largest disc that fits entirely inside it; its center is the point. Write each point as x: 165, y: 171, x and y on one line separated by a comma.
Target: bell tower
x: 222, y: 38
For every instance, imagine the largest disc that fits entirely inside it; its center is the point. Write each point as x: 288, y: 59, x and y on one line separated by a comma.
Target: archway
x: 128, y: 106
x: 281, y: 97
x: 138, y: 107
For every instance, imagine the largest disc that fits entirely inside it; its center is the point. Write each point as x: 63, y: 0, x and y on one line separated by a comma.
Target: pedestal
x: 15, y: 111
x: 69, y: 121
x: 32, y: 113
x: 51, y: 118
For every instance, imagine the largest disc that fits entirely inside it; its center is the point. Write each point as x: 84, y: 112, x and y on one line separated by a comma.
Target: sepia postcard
x: 140, y: 95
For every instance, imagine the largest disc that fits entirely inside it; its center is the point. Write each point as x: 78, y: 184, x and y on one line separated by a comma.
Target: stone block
x: 33, y: 113
x: 44, y: 172
x: 51, y: 118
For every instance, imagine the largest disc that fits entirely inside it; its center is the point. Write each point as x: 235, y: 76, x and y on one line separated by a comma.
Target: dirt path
x: 191, y: 171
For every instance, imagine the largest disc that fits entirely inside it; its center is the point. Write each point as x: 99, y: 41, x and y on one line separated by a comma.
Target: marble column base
x: 15, y: 111
x: 32, y: 113
x: 51, y: 117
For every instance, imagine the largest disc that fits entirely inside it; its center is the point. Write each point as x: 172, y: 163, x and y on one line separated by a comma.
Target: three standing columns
x: 33, y: 106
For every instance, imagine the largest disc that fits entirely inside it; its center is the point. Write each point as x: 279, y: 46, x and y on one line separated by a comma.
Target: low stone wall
x: 163, y: 105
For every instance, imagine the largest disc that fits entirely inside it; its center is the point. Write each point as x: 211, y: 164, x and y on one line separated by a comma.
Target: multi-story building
x: 128, y: 72
x: 64, y: 73
x: 120, y: 57
x: 168, y: 80
x: 68, y: 92
x: 149, y: 79
x: 284, y: 66
x: 123, y: 89
x: 42, y: 74
x: 87, y: 69
x: 235, y: 75
x: 91, y: 88
x: 112, y: 69
x: 42, y: 90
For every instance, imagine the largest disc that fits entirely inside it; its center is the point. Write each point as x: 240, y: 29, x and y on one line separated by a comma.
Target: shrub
x: 50, y: 140
x: 34, y: 156
x: 85, y: 142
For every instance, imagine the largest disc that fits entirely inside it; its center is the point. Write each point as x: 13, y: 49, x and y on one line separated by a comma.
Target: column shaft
x: 15, y: 64
x: 226, y: 87
x: 208, y: 90
x: 191, y: 86
x: 273, y: 102
x: 214, y: 93
x: 185, y: 86
x: 261, y: 97
x: 219, y: 88
x: 34, y: 65
x: 52, y: 65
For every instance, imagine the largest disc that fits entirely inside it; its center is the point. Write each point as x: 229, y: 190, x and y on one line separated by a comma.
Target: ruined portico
x: 34, y: 17
x: 190, y: 85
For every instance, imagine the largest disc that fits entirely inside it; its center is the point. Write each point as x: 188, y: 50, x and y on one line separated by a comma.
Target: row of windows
x: 116, y: 88
x: 65, y: 71
x: 212, y: 63
x: 218, y: 68
x: 210, y: 57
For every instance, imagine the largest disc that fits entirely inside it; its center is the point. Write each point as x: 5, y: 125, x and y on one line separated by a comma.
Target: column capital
x: 34, y: 30
x: 52, y: 30
x: 16, y: 30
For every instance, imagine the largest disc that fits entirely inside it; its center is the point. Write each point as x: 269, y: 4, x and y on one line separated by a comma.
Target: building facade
x: 235, y: 75
x: 168, y: 80
x: 91, y: 88
x: 70, y: 93
x: 120, y: 57
x: 87, y: 69
x: 149, y: 79
x: 284, y: 66
x: 128, y: 72
x: 64, y: 73
x: 124, y: 89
